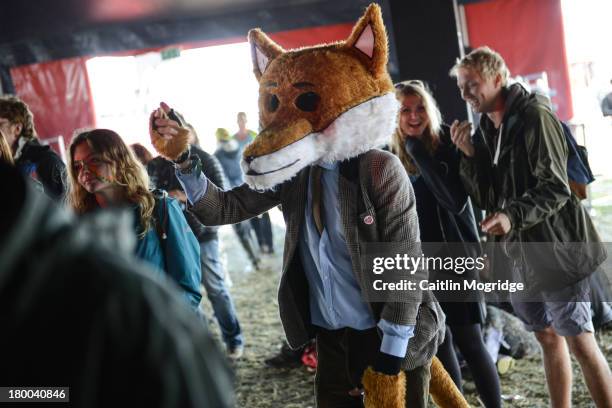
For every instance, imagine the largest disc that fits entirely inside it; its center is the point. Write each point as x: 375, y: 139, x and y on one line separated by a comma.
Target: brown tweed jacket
x: 392, y: 206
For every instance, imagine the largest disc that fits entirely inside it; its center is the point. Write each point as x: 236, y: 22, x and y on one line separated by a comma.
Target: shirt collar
x: 329, y: 166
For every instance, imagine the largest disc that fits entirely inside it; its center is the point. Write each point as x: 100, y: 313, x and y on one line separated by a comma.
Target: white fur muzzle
x: 364, y: 127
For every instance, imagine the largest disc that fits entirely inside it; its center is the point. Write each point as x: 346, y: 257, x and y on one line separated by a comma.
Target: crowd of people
x: 115, y: 311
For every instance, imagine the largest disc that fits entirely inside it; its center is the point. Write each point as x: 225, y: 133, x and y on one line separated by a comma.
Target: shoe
x: 505, y: 364
x: 235, y: 352
x: 286, y: 358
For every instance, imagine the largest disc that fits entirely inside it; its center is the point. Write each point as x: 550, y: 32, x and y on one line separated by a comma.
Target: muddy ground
x: 259, y: 386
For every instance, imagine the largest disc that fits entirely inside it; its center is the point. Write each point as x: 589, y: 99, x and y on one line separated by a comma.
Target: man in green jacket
x: 515, y: 168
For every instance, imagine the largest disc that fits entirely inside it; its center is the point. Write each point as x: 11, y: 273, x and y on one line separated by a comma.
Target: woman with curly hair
x: 104, y: 173
x: 446, y: 221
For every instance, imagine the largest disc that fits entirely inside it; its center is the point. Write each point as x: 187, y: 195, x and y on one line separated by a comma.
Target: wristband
x: 388, y: 364
x: 183, y: 157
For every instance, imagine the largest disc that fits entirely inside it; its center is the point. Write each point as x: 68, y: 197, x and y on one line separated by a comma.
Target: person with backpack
x: 162, y: 175
x: 515, y: 168
x: 104, y: 173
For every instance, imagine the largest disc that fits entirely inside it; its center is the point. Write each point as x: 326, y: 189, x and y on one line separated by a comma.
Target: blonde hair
x: 6, y: 155
x: 431, y: 134
x: 486, y: 62
x: 127, y: 172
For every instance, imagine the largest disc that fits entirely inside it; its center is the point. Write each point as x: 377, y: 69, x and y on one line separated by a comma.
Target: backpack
x: 579, y: 171
x: 180, y: 247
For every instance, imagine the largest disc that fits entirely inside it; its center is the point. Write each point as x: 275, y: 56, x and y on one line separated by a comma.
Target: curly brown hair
x: 17, y: 111
x: 128, y: 172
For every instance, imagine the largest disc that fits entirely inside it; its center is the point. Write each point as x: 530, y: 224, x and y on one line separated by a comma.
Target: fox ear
x: 369, y: 40
x: 263, y: 50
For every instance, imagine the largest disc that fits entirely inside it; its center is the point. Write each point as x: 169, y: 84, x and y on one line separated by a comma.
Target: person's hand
x: 383, y: 390
x: 496, y: 224
x: 461, y: 135
x: 169, y: 138
x: 160, y: 122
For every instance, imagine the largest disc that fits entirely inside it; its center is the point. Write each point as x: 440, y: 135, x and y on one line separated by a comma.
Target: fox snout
x: 274, y: 138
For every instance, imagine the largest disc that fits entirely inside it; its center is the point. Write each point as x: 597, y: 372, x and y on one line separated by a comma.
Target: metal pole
x: 462, y: 42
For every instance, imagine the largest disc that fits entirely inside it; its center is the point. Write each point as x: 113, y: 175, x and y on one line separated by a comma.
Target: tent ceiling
x: 27, y: 19
x: 38, y: 31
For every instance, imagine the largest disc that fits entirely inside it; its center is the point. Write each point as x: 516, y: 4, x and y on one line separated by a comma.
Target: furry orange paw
x: 384, y: 391
x: 170, y: 148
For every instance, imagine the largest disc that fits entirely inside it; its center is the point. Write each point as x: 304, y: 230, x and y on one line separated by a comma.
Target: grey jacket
x: 393, y: 209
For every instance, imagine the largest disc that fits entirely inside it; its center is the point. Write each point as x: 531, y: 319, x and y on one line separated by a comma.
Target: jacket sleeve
x: 547, y: 161
x: 182, y: 253
x: 442, y: 178
x: 218, y: 207
x: 211, y: 167
x: 475, y: 173
x: 52, y: 173
x: 394, y: 203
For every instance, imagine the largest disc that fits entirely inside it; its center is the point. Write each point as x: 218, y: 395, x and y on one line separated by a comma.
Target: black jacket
x: 529, y: 184
x: 44, y: 164
x: 163, y: 176
x: 446, y: 218
x: 450, y: 216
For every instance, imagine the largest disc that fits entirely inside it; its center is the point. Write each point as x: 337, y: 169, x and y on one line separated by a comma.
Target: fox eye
x: 272, y: 103
x: 308, y: 101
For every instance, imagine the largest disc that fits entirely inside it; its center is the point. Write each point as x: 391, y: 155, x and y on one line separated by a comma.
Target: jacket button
x: 368, y: 220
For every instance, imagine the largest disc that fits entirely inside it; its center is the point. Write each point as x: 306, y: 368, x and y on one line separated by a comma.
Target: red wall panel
x: 58, y: 94
x: 529, y: 35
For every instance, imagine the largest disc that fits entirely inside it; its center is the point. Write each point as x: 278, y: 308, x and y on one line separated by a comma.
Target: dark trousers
x: 343, y: 355
x: 263, y: 230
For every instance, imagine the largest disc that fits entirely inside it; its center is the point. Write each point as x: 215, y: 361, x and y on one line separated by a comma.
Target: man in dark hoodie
x: 515, y: 167
x: 31, y: 157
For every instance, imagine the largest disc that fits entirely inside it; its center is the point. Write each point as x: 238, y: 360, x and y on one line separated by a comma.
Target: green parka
x: 552, y: 234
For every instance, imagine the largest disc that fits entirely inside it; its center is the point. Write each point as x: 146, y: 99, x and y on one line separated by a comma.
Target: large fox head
x: 320, y: 104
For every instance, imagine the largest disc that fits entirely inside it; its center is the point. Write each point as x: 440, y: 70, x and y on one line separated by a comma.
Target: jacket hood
x: 517, y: 100
x: 33, y: 149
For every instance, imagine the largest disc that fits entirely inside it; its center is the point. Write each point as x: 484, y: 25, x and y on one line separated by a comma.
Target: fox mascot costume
x: 319, y: 106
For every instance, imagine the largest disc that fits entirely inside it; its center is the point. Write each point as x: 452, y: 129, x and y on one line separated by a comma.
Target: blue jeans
x: 213, y: 279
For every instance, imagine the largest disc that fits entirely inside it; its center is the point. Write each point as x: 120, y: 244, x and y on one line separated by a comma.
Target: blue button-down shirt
x: 335, y: 295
